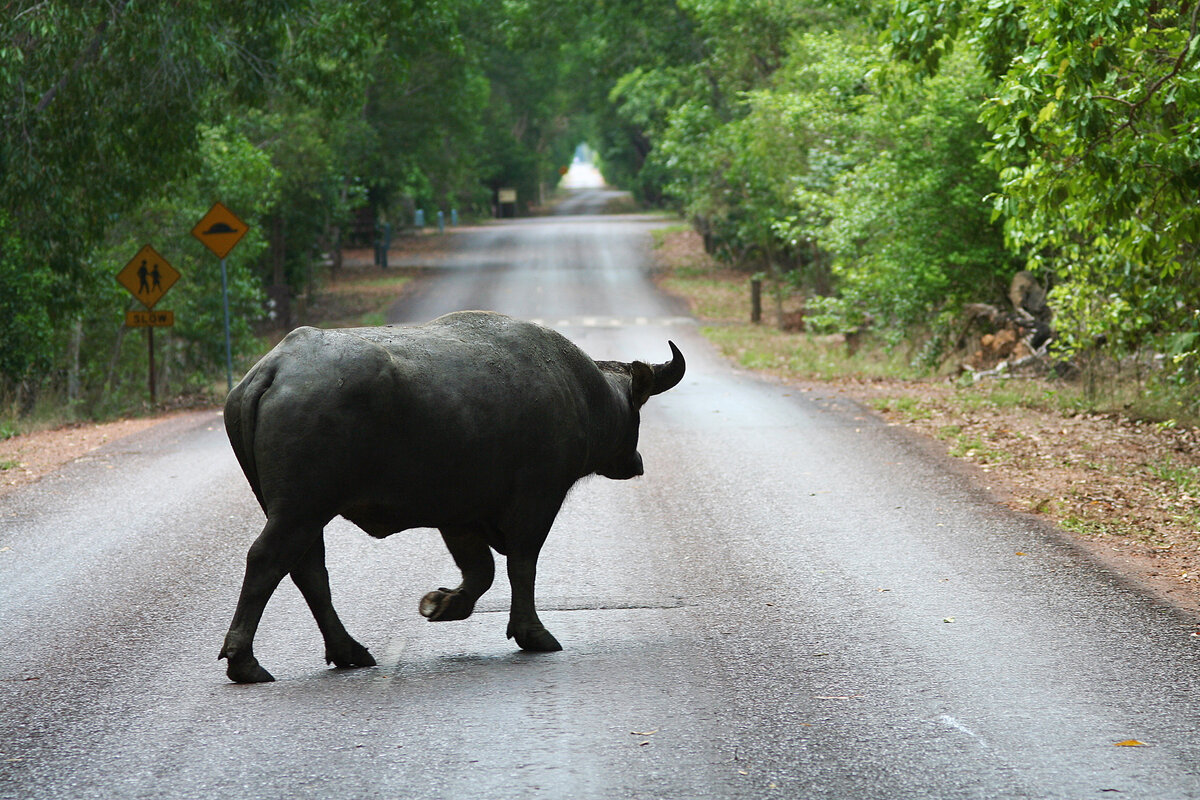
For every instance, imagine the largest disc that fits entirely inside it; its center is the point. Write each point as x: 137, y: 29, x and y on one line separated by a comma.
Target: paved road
x: 763, y: 615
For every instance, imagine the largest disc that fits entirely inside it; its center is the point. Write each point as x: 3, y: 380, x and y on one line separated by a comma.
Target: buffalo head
x: 644, y: 381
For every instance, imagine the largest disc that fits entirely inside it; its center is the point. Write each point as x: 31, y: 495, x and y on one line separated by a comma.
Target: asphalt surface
x: 796, y: 601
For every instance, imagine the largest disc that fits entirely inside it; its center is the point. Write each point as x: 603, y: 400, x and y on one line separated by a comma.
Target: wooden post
x: 150, y: 341
x: 756, y: 300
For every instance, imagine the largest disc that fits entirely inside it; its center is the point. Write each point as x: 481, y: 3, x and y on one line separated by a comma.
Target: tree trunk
x: 279, y: 291
x: 73, y: 347
x: 776, y: 284
x: 115, y: 359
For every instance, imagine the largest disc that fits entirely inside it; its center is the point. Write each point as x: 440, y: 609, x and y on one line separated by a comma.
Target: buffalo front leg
x: 473, y: 556
x: 274, y: 553
x: 523, y: 622
x: 312, y: 578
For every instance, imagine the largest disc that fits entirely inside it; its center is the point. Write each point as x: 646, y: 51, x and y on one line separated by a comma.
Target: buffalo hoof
x: 352, y: 654
x: 537, y: 640
x: 446, y: 605
x: 248, y: 672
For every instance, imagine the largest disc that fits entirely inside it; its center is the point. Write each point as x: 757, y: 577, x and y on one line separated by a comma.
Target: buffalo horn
x: 668, y: 374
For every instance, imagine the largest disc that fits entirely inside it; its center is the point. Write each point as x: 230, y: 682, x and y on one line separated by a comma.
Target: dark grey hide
x: 475, y: 424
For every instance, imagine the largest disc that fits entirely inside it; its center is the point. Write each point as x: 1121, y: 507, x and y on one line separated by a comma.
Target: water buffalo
x: 475, y: 424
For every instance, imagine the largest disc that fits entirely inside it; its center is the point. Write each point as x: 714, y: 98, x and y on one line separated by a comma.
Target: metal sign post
x: 228, y: 342
x: 219, y: 231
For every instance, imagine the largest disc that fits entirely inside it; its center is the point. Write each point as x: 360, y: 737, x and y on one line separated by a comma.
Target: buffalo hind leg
x: 523, y: 622
x: 312, y: 578
x: 471, y: 553
x: 525, y: 527
x: 274, y: 554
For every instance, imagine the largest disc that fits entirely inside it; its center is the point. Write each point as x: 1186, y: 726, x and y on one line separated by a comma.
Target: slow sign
x: 149, y: 319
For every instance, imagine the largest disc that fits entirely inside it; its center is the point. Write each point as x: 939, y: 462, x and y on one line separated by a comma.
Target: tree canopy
x: 900, y: 159
x: 892, y: 160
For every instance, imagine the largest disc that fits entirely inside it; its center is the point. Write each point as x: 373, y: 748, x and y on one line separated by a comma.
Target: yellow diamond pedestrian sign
x: 220, y: 230
x: 148, y: 276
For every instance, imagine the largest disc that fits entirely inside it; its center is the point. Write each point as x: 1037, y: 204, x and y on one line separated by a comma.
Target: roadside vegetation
x: 888, y: 168
x: 721, y: 298
x: 318, y: 122
x: 1107, y: 465
x: 885, y: 169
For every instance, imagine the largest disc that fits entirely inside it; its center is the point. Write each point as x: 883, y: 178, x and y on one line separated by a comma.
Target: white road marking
x: 611, y: 322
x: 951, y: 722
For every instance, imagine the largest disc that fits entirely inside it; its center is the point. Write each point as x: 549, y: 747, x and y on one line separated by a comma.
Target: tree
x: 1094, y: 133
x: 895, y: 188
x: 101, y: 106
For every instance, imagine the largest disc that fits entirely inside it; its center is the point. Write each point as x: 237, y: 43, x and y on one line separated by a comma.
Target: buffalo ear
x: 643, y: 382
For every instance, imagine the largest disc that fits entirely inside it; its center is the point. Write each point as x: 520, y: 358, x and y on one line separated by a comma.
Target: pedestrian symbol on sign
x: 143, y: 273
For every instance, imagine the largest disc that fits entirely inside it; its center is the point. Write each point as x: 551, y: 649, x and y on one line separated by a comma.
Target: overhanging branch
x: 87, y: 55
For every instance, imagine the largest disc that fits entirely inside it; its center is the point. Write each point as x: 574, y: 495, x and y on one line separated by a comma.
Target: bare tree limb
x: 87, y: 55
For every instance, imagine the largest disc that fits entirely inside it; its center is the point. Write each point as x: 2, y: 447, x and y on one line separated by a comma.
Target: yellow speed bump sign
x: 148, y: 276
x: 220, y: 230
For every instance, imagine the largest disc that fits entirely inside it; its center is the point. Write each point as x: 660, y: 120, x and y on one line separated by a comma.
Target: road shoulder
x: 1124, y: 490
x: 29, y: 457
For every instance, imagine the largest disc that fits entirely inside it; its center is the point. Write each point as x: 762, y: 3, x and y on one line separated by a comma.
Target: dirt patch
x: 25, y: 458
x: 1128, y: 491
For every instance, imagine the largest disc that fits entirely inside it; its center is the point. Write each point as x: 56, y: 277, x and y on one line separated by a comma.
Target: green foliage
x: 1094, y: 135
x: 25, y: 295
x: 102, y: 103
x: 889, y: 161
x: 837, y: 174
x: 113, y: 366
x: 301, y: 178
x: 121, y: 123
x: 423, y: 104
x: 897, y: 196
x: 900, y: 160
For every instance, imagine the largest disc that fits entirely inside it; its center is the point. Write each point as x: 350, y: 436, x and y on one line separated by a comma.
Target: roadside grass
x: 1185, y: 478
x: 804, y: 356
x: 909, y: 408
x: 720, y: 297
x: 1105, y: 457
x: 357, y: 298
x: 49, y: 412
x: 712, y: 298
x: 1095, y: 528
x: 715, y: 293
x: 965, y: 445
x: 1180, y: 493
